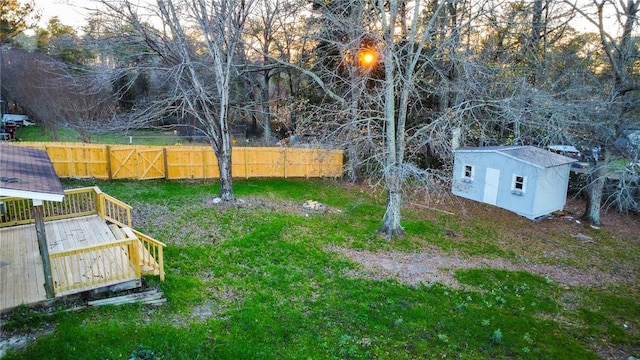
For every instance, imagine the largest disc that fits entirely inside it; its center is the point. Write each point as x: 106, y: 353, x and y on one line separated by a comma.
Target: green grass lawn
x: 259, y: 281
x: 135, y: 137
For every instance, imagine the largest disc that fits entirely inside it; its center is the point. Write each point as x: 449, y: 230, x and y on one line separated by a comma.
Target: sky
x: 68, y: 14
x: 74, y: 15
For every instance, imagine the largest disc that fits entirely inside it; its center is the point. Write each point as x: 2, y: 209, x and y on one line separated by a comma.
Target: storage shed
x: 527, y: 180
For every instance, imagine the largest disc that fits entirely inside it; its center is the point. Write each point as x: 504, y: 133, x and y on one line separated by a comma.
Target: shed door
x: 491, y: 182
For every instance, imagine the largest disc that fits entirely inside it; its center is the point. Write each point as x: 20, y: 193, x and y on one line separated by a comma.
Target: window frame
x: 514, y: 184
x: 472, y: 171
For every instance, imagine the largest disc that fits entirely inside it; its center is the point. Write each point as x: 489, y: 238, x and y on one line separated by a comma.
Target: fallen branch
x: 434, y: 209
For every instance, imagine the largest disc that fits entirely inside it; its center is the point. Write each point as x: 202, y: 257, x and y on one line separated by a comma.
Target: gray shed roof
x: 528, y: 154
x: 28, y: 173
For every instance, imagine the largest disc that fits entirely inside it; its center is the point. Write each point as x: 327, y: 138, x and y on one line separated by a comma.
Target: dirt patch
x: 618, y: 225
x: 273, y: 204
x: 18, y: 341
x: 621, y: 353
x: 155, y: 215
x: 435, y: 267
x: 217, y: 306
x: 561, y: 247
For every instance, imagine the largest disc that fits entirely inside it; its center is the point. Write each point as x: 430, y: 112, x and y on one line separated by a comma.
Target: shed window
x: 519, y: 184
x: 468, y: 172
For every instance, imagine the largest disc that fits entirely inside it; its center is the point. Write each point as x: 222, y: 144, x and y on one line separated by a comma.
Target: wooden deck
x: 85, y: 254
x: 73, y: 233
x: 21, y: 274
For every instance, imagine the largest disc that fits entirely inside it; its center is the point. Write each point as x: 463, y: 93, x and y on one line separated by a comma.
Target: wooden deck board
x: 35, y: 275
x: 6, y: 270
x: 21, y: 274
x: 18, y: 269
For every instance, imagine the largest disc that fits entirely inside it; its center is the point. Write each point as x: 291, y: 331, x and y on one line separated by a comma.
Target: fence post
x: 205, y: 166
x: 284, y: 158
x: 246, y: 163
x: 165, y: 162
x: 138, y: 167
x: 71, y: 164
x: 108, y: 166
x: 307, y: 165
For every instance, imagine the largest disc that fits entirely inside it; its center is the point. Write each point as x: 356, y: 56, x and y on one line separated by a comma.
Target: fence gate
x: 150, y: 163
x: 124, y: 162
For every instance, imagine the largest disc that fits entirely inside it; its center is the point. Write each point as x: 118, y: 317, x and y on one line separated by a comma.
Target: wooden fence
x: 78, y: 160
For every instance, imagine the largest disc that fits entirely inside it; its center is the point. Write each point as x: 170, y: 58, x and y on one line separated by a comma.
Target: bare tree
x: 60, y: 96
x: 612, y: 108
x: 86, y: 104
x: 199, y: 51
x: 268, y: 27
x: 343, y: 38
x: 371, y: 74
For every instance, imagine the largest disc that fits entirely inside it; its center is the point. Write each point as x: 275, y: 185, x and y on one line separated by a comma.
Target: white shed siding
x: 518, y: 202
x: 552, y: 190
x: 470, y: 189
x: 475, y: 189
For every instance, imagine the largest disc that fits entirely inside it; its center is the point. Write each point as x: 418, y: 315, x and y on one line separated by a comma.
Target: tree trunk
x: 223, y: 152
x: 266, y: 111
x: 352, y: 169
x: 226, y: 180
x: 353, y: 164
x: 391, y: 222
x: 595, y: 186
x: 393, y: 158
x: 53, y: 130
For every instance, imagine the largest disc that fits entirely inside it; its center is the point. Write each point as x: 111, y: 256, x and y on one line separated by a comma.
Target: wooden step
x: 117, y: 232
x: 125, y: 232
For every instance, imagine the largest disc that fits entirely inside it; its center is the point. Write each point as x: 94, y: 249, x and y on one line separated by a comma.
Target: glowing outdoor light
x: 367, y: 58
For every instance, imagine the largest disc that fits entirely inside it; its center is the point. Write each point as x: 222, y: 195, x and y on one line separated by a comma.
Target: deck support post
x: 41, y: 234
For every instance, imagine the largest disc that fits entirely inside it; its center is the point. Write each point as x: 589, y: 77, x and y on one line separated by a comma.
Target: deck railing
x: 95, y: 266
x: 15, y: 211
x: 112, y: 209
x: 151, y: 255
x: 76, y: 202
